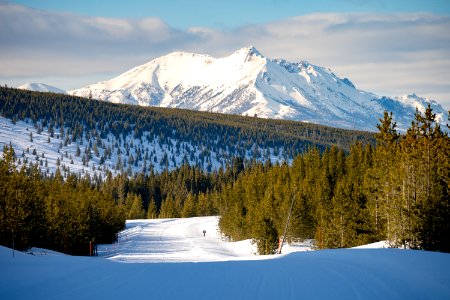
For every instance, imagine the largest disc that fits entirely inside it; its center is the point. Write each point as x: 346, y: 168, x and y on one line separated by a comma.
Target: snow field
x: 182, y: 240
x: 329, y: 274
x: 176, y: 240
x: 326, y: 274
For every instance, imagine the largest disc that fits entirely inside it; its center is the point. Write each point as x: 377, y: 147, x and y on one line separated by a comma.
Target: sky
x: 387, y: 47
x: 231, y: 13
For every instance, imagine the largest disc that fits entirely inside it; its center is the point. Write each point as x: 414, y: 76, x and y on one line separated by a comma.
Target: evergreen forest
x: 397, y: 191
x: 343, y: 188
x: 95, y: 137
x: 53, y: 213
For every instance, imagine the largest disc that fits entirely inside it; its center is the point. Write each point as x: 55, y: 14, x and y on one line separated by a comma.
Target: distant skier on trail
x: 204, y: 232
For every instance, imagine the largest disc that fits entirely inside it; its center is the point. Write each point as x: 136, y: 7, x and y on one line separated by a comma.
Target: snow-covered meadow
x: 209, y: 267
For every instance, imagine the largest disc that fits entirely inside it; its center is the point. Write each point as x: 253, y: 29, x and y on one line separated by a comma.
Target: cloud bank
x: 389, y: 54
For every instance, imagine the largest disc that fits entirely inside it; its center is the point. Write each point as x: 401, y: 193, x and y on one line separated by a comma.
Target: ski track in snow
x: 180, y: 240
x: 326, y: 274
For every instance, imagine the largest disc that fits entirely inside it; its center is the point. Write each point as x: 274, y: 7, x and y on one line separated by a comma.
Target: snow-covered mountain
x: 247, y: 83
x: 41, y: 87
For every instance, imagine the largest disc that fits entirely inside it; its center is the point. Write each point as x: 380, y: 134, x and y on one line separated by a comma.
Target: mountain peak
x: 247, y: 83
x: 183, y: 54
x: 41, y: 87
x: 249, y: 51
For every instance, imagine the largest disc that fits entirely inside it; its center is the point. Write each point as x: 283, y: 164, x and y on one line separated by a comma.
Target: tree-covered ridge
x: 239, y: 134
x: 398, y: 191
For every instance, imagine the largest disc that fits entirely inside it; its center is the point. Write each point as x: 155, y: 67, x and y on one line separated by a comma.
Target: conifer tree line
x: 74, y: 118
x: 187, y: 191
x: 51, y: 213
x: 397, y: 191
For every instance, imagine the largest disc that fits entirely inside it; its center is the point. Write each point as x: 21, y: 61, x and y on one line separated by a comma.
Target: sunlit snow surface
x: 327, y: 274
x: 180, y: 240
x: 174, y: 240
x: 41, y: 87
x: 248, y: 83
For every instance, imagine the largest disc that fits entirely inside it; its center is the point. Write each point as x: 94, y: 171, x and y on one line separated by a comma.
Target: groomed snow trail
x: 329, y: 274
x: 202, y: 272
x: 176, y: 240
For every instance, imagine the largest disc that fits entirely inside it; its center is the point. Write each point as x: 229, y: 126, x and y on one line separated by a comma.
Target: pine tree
x: 189, y: 207
x: 379, y: 191
x: 168, y: 208
x: 431, y: 154
x: 152, y: 211
x: 265, y: 236
x: 135, y: 210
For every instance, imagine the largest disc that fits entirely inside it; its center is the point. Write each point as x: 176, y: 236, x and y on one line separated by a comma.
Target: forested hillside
x: 106, y: 137
x: 398, y: 191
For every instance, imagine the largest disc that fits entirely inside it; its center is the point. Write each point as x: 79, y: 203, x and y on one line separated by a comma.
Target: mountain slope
x: 41, y: 87
x: 94, y: 137
x: 247, y: 83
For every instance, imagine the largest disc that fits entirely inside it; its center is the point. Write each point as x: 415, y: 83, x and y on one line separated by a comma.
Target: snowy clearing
x: 327, y: 274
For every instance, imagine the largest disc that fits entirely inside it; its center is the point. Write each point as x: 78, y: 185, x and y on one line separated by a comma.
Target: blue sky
x: 388, y: 47
x: 231, y: 13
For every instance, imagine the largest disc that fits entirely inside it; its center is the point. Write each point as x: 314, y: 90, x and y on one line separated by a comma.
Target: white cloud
x: 115, y: 28
x: 388, y: 54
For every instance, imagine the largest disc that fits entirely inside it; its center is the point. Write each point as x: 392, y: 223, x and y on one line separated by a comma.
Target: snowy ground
x: 327, y: 274
x: 181, y: 240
